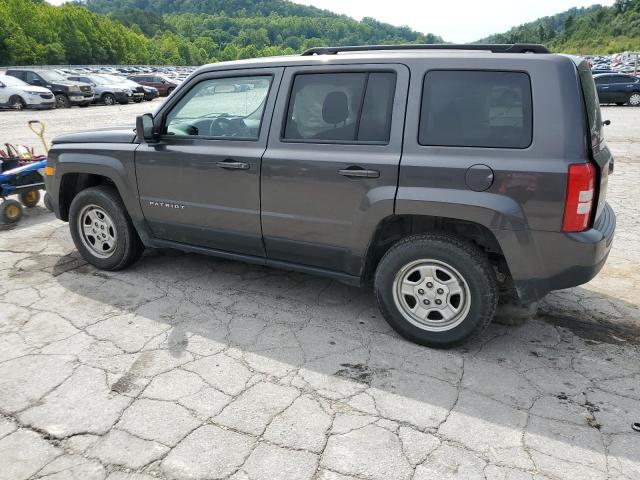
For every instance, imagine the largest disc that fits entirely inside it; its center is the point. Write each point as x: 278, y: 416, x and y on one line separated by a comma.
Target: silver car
x: 106, y: 91
x: 16, y: 94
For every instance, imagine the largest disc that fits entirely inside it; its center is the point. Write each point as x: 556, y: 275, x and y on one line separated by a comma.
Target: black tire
x: 62, y: 101
x: 48, y: 202
x: 17, y: 103
x: 10, y: 211
x: 169, y: 90
x: 138, y: 99
x: 30, y: 199
x: 128, y: 247
x: 108, y: 99
x: 465, y: 259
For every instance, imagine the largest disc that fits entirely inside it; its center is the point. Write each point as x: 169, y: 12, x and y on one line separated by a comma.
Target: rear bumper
x: 561, y: 260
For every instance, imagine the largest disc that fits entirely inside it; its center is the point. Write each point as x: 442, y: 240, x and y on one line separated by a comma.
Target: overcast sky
x: 454, y: 20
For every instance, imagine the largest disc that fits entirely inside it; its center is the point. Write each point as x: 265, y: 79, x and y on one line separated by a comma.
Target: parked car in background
x: 163, y: 84
x: 137, y: 89
x: 66, y: 92
x: 150, y: 93
x: 105, y: 90
x: 618, y: 88
x: 16, y: 94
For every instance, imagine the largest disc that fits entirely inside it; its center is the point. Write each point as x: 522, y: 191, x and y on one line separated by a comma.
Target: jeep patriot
x: 448, y: 176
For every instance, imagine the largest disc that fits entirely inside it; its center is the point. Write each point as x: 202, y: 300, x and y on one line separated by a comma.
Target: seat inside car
x: 335, y: 111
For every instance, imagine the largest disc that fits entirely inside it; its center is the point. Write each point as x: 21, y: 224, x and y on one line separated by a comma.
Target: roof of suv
x: 393, y: 53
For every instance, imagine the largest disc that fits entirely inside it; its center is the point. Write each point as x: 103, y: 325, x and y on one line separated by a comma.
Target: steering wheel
x: 220, y: 127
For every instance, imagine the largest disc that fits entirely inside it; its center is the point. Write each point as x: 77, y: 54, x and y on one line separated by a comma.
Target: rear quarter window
x: 591, y: 103
x: 465, y: 108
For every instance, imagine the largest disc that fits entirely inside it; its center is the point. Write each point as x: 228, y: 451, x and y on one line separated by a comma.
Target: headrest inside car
x: 335, y: 108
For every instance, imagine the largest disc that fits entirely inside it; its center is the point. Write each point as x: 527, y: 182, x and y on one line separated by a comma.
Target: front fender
x: 112, y: 161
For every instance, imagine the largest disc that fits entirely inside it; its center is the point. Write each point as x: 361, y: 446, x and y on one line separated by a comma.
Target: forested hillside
x: 229, y: 7
x: 596, y: 29
x: 177, y: 31
x: 193, y: 32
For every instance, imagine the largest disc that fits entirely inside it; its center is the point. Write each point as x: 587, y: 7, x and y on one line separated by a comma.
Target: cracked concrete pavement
x: 189, y: 367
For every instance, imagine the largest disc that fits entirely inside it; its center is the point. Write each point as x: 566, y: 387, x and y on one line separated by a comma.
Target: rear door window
x: 341, y: 107
x: 463, y: 108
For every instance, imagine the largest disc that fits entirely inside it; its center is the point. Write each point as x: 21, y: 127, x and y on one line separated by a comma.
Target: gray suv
x: 451, y: 177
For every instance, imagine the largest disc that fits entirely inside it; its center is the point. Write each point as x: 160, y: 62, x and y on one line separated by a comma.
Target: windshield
x: 51, y: 76
x: 115, y: 78
x: 99, y: 80
x: 10, y: 81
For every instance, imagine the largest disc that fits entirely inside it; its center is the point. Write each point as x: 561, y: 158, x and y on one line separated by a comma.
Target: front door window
x: 228, y: 108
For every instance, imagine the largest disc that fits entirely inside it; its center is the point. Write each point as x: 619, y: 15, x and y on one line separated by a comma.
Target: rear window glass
x: 476, y: 109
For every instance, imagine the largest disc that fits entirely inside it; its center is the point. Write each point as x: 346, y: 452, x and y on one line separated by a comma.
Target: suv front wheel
x: 436, y: 289
x: 102, y: 230
x: 62, y: 101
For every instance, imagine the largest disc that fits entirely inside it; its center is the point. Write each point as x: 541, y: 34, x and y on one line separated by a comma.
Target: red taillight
x: 580, y: 197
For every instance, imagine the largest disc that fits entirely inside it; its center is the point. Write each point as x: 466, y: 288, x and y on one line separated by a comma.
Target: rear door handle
x: 233, y: 165
x: 359, y: 173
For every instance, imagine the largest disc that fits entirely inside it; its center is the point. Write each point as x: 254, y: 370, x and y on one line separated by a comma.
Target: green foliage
x: 160, y: 32
x: 595, y: 30
x: 39, y: 33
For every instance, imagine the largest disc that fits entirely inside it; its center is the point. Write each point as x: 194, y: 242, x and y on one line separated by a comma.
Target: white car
x: 16, y: 94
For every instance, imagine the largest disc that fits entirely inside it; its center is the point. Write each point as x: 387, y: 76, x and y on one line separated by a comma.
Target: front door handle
x: 233, y: 165
x: 359, y: 173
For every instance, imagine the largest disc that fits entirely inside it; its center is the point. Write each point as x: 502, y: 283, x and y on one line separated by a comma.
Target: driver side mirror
x: 145, y: 128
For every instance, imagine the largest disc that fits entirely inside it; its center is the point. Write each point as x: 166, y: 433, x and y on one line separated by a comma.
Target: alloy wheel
x: 97, y: 231
x: 431, y: 295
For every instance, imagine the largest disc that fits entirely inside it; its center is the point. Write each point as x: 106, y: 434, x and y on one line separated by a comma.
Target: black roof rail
x: 494, y: 48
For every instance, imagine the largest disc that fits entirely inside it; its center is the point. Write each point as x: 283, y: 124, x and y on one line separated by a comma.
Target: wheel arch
x: 394, y: 228
x: 73, y: 183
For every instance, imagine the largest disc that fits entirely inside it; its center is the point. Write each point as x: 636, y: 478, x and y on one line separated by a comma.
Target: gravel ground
x: 188, y: 367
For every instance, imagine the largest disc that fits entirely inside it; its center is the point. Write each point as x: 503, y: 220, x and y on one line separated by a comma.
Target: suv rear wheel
x: 436, y: 289
x: 102, y: 230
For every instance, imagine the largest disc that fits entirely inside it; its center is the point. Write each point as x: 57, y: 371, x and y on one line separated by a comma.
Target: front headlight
x: 33, y: 92
x: 74, y: 88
